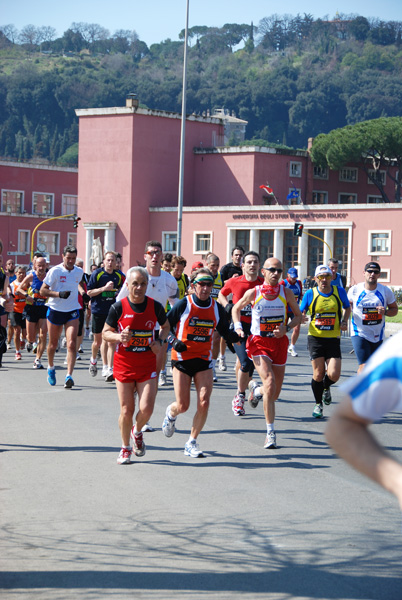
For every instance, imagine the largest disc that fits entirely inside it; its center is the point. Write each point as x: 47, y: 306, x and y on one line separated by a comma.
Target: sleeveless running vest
x: 195, y: 328
x: 267, y: 315
x: 326, y: 314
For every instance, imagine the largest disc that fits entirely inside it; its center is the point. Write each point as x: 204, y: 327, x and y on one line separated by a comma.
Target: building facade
x: 31, y: 194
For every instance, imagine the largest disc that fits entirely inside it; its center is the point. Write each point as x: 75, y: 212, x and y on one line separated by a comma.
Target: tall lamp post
x: 182, y: 138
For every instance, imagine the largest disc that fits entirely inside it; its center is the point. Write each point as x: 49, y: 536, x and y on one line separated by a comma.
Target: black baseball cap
x: 372, y: 265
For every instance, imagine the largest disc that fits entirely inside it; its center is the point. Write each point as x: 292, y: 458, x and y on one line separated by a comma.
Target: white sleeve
x: 123, y: 293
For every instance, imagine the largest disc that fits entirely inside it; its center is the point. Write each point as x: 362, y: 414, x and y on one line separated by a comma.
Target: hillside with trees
x: 290, y: 77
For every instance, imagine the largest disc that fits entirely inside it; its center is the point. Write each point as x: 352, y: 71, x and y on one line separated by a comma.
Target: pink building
x: 128, y: 190
x: 31, y: 193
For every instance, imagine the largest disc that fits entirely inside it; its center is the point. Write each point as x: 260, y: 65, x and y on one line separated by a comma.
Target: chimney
x: 132, y: 101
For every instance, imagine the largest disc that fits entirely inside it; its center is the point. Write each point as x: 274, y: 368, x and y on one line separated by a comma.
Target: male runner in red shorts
x: 131, y: 323
x: 268, y: 344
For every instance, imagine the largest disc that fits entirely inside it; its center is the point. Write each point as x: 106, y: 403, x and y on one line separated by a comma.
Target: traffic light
x: 298, y: 229
x: 76, y: 219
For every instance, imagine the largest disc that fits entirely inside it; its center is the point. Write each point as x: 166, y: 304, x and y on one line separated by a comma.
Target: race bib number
x: 140, y: 341
x: 371, y: 316
x: 200, y: 330
x: 325, y: 321
x: 109, y: 294
x: 269, y: 324
x: 246, y: 311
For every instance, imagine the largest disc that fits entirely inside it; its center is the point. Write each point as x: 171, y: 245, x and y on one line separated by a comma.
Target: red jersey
x: 137, y: 357
x: 238, y: 286
x: 196, y: 327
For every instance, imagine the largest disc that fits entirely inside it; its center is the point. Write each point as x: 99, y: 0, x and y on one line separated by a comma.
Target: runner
x: 371, y: 302
x: 330, y: 310
x: 295, y: 285
x: 238, y: 286
x: 267, y: 345
x: 17, y: 318
x: 212, y: 263
x: 131, y: 323
x: 194, y: 320
x: 103, y: 286
x: 35, y: 309
x: 61, y: 286
x: 376, y: 391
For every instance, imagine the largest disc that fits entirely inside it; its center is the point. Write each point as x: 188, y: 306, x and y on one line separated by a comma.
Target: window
x: 315, y: 251
x: 169, y: 241
x: 385, y: 276
x: 69, y: 205
x: 202, y: 242
x: 320, y: 172
x: 347, y: 198
x: 294, y: 196
x: 266, y: 246
x: 341, y: 248
x: 291, y: 247
x: 243, y: 239
x: 295, y: 169
x: 42, y: 204
x: 320, y: 197
x: 23, y: 241
x: 12, y: 201
x: 379, y: 242
x: 375, y: 200
x: 50, y: 240
x: 349, y: 174
x: 72, y: 239
x: 380, y: 175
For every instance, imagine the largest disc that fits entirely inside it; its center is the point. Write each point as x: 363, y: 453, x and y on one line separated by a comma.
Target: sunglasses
x: 153, y: 252
x: 373, y: 271
x: 205, y: 283
x: 273, y: 270
x: 324, y: 276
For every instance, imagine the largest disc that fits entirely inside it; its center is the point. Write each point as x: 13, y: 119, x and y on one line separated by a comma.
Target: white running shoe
x: 93, y: 369
x: 168, y: 425
x: 214, y: 377
x: 105, y: 371
x: 162, y: 379
x: 253, y: 398
x: 238, y: 405
x: 109, y: 377
x: 222, y: 363
x: 147, y: 427
x: 192, y: 449
x: 270, y: 440
x: 292, y: 351
x: 64, y: 342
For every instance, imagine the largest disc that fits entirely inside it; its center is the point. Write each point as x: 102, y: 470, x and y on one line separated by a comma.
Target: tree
x: 375, y: 144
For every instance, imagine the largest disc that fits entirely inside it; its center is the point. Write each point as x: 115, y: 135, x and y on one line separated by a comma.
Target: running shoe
x: 253, y: 398
x: 292, y: 351
x: 214, y: 377
x: 105, y: 370
x: 270, y: 441
x: 137, y: 440
x: 34, y: 347
x: 64, y: 342
x: 18, y: 355
x: 69, y: 382
x: 238, y: 405
x: 326, y: 397
x: 222, y: 363
x: 124, y: 457
x: 22, y: 344
x: 109, y: 377
x: 318, y: 411
x: 37, y: 364
x: 78, y: 357
x: 87, y: 332
x: 29, y: 347
x: 168, y: 425
x: 147, y: 427
x: 93, y: 369
x: 192, y: 449
x: 162, y: 379
x: 65, y: 361
x: 80, y: 350
x: 51, y: 376
x: 8, y: 345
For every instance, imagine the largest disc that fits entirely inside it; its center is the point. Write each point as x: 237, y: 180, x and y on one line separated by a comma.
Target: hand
x: 279, y: 331
x: 381, y: 310
x: 109, y: 286
x: 85, y: 298
x: 304, y: 319
x: 125, y: 336
x: 8, y: 305
x: 240, y: 332
x: 64, y: 295
x: 179, y: 346
x: 344, y: 326
x: 29, y: 300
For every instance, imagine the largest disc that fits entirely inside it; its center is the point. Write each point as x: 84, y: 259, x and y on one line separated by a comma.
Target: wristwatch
x: 287, y: 328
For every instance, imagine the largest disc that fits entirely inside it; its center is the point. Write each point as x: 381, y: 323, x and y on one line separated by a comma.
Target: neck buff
x: 270, y: 290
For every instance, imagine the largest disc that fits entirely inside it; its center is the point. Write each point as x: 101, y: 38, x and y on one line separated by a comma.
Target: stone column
x: 88, y: 248
x: 303, y: 257
x: 278, y: 244
x: 329, y: 239
x: 254, y: 239
x: 110, y: 238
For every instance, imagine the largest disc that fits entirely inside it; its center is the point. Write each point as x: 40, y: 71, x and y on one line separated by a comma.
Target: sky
x: 158, y: 20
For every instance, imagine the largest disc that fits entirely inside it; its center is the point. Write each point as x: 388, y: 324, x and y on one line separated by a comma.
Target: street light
x: 182, y: 139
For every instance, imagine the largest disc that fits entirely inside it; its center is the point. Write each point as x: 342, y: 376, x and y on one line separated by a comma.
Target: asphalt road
x: 243, y: 522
